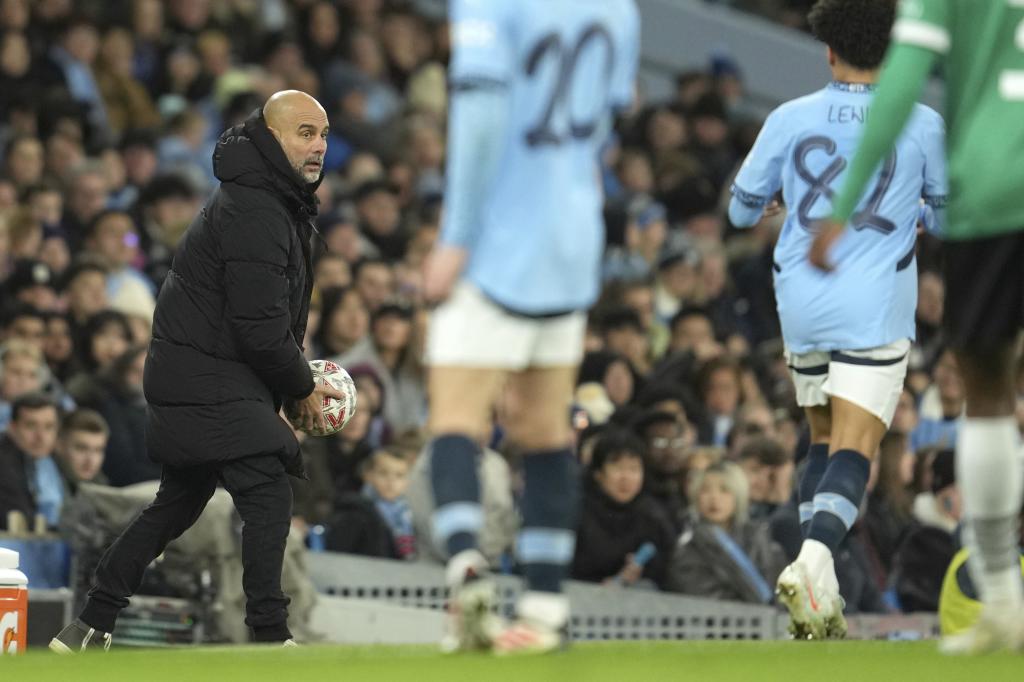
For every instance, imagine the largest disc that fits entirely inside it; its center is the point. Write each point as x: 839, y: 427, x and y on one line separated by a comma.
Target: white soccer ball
x: 336, y: 412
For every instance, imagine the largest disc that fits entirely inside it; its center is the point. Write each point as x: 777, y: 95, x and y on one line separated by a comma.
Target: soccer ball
x: 336, y: 412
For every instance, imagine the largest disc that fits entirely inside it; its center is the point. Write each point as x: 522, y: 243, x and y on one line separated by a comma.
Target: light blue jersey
x: 534, y: 84
x: 869, y: 299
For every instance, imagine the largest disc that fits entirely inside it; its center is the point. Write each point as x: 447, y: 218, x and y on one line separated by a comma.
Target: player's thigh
x: 864, y: 389
x: 538, y: 407
x: 819, y: 419
x: 462, y: 399
x: 984, y: 293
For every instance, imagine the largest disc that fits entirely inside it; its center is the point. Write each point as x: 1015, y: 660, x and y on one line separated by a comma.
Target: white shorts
x: 872, y: 379
x: 469, y: 330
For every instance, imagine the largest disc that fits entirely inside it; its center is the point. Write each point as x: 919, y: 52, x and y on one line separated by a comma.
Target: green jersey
x: 982, y: 46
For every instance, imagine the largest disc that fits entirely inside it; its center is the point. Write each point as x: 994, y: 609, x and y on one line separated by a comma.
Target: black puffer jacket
x: 232, y: 313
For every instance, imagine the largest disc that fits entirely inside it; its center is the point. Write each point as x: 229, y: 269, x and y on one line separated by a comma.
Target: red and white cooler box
x: 13, y: 604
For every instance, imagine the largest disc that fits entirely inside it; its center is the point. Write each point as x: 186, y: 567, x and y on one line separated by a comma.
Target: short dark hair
x: 82, y: 419
x: 82, y: 264
x: 856, y: 30
x: 650, y: 418
x: 766, y: 451
x: 686, y: 312
x: 36, y: 400
x: 90, y: 229
x: 620, y: 318
x: 615, y: 444
x: 18, y: 311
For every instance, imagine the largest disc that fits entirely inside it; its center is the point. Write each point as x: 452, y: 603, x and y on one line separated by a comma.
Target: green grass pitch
x: 614, y: 662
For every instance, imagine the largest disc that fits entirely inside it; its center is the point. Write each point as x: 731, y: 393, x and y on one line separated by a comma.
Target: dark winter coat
x: 232, y: 313
x: 609, y: 531
x: 702, y: 567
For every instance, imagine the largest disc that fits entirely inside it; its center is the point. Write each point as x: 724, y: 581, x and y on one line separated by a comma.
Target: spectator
x: 921, y: 562
x: 116, y: 394
x: 720, y: 384
x: 85, y: 289
x: 724, y: 555
x: 22, y: 372
x: 667, y: 440
x: 80, y: 448
x: 32, y: 282
x: 390, y: 351
x: 769, y: 471
x: 30, y: 481
x: 344, y: 322
x: 112, y: 237
x: 387, y: 480
x: 888, y: 516
x: 618, y: 518
x: 610, y: 370
x: 374, y: 281
x: 942, y: 407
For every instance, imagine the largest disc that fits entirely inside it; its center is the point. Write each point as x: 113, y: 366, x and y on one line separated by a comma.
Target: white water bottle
x: 13, y: 604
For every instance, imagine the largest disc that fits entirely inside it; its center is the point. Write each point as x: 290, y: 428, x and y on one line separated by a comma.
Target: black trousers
x: 263, y: 497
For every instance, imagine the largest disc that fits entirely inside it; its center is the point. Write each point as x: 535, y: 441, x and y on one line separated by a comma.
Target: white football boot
x: 814, y: 604
x: 997, y: 629
x: 472, y: 624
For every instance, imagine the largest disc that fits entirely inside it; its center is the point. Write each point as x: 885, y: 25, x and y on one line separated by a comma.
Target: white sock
x: 546, y: 608
x: 990, y: 474
x: 461, y: 563
x: 816, y: 557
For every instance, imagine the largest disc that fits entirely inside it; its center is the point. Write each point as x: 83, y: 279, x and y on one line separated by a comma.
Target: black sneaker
x: 78, y: 637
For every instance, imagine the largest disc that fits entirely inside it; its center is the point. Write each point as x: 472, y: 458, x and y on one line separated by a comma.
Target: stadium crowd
x: 685, y: 415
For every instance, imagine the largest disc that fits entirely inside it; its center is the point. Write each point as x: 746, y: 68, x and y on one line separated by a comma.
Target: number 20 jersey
x: 567, y: 64
x: 804, y: 147
x: 982, y: 42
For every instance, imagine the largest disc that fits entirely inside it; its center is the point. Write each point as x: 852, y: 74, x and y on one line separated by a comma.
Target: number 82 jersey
x: 566, y: 65
x: 804, y: 149
x: 982, y: 44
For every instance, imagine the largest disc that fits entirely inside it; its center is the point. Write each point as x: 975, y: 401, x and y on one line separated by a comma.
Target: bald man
x: 224, y: 358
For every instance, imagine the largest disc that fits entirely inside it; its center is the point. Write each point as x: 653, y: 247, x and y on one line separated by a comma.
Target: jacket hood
x: 250, y: 155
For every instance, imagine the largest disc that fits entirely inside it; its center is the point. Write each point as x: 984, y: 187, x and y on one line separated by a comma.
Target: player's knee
x: 539, y: 430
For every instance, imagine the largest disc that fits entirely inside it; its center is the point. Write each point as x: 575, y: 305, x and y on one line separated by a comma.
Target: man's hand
x: 441, y: 271
x: 828, y: 234
x: 773, y: 209
x: 308, y: 414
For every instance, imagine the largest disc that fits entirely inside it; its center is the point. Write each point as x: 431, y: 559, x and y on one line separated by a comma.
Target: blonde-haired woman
x: 724, y: 555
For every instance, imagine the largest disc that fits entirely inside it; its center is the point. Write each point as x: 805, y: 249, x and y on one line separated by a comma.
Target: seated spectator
x: 370, y: 390
x: 104, y: 338
x: 334, y: 464
x: 612, y: 371
x: 769, y: 471
x: 85, y: 289
x: 357, y: 524
x: 618, y: 518
x: 116, y: 394
x: 30, y: 281
x: 390, y: 351
x: 888, y: 516
x: 942, y: 407
x: 58, y: 346
x: 387, y: 480
x: 344, y: 322
x: 30, y: 480
x: 724, y: 555
x: 80, y: 448
x: 721, y: 389
x: 667, y: 442
x: 112, y: 237
x: 22, y: 371
x: 624, y: 334
x: 25, y: 323
x: 921, y: 562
